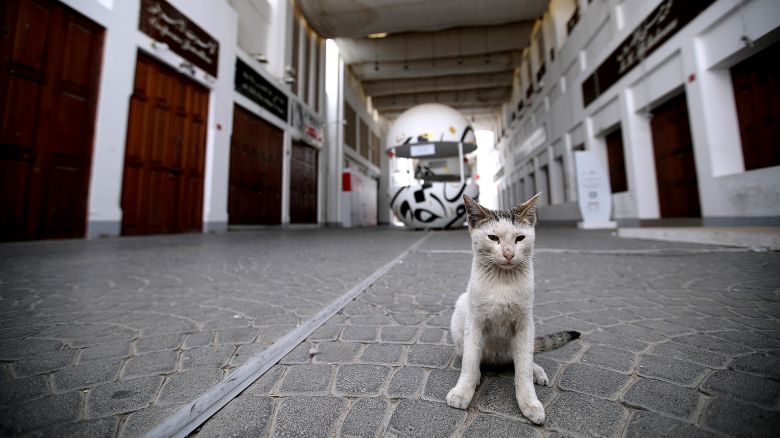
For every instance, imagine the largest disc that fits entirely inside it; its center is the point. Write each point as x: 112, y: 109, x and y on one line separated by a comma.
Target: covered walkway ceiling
x: 460, y: 53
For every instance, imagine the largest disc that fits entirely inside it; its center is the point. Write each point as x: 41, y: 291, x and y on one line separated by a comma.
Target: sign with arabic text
x: 665, y: 21
x: 166, y: 24
x: 257, y: 88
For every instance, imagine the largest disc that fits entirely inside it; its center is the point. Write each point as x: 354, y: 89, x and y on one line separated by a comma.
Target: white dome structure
x: 436, y: 137
x: 437, y: 127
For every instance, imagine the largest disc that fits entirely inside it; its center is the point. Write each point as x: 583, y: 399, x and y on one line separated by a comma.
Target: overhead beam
x: 485, y: 97
x: 474, y: 64
x: 411, y: 46
x: 437, y: 83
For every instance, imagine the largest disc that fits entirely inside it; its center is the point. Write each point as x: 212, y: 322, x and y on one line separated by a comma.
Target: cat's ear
x: 475, y: 213
x: 526, y: 212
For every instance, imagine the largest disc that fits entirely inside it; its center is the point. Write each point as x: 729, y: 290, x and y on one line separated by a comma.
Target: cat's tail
x: 554, y: 340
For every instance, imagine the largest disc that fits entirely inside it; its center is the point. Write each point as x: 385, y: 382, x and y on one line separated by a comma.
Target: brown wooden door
x: 49, y: 71
x: 756, y: 84
x: 678, y: 189
x: 162, y: 191
x: 255, y: 192
x: 303, y: 184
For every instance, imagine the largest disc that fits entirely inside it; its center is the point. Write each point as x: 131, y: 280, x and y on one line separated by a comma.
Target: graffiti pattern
x: 432, y: 205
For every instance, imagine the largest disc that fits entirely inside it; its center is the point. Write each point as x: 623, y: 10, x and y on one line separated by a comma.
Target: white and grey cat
x: 493, y: 321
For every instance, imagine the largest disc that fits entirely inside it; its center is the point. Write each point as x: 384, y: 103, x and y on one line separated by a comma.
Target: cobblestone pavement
x: 685, y: 343
x: 104, y: 336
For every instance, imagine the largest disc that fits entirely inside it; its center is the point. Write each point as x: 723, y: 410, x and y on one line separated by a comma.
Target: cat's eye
x: 519, y: 238
x: 493, y: 237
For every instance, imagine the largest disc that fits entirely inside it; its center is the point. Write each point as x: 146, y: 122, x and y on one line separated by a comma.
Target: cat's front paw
x: 534, y: 411
x: 459, y: 398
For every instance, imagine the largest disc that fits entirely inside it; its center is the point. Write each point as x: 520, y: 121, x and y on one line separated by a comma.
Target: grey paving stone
x: 45, y: 362
x: 187, y: 385
x: 359, y: 333
x: 22, y: 390
x: 301, y: 353
x: 198, y: 339
x: 213, y: 356
x: 405, y: 383
x: 244, y: 353
x: 439, y: 321
x: 583, y: 415
x: 115, y: 350
x: 86, y: 375
x: 337, y: 352
x: 237, y: 335
x: 432, y: 336
x: 434, y: 356
x: 255, y: 414
x: 665, y: 328
x: 306, y: 379
x: 409, y: 320
x: 645, y: 424
x: 592, y: 380
x: 59, y: 408
x: 168, y: 342
x: 736, y: 418
x: 294, y: 416
x: 383, y: 320
x: 142, y: 421
x: 497, y: 395
x: 639, y: 333
x: 328, y: 332
x: 266, y: 382
x: 711, y: 343
x: 690, y: 354
x: 616, y: 341
x: 662, y: 397
x: 488, y: 426
x: 749, y: 339
x: 402, y: 334
x: 122, y: 397
x: 155, y: 363
x: 361, y: 380
x: 743, y: 386
x: 382, y: 354
x: 758, y: 363
x: 670, y: 370
x: 90, y: 428
x: 439, y: 383
x: 21, y: 348
x: 365, y: 418
x: 425, y: 419
x: 611, y: 358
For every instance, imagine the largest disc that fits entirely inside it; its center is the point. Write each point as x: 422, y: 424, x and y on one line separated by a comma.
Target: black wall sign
x: 166, y: 24
x: 665, y: 21
x: 259, y: 90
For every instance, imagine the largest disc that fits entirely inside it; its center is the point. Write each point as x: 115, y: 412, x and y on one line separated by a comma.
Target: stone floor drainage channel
x: 195, y: 413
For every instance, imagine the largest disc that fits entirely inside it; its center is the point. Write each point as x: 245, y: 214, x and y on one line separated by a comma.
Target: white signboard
x: 422, y: 150
x: 593, y: 192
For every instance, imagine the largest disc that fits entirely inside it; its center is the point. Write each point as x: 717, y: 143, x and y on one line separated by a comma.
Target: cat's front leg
x: 460, y: 396
x: 523, y: 356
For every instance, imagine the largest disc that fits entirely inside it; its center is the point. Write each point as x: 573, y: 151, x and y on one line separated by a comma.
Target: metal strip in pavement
x: 195, y: 413
x: 649, y: 251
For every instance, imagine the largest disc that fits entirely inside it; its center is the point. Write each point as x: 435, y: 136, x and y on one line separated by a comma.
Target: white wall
x: 123, y: 40
x: 705, y: 48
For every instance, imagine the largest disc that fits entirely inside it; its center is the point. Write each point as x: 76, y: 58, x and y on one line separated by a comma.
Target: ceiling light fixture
x: 377, y: 35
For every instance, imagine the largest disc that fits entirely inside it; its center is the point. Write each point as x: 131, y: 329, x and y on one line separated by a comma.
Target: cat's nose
x: 508, y: 254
